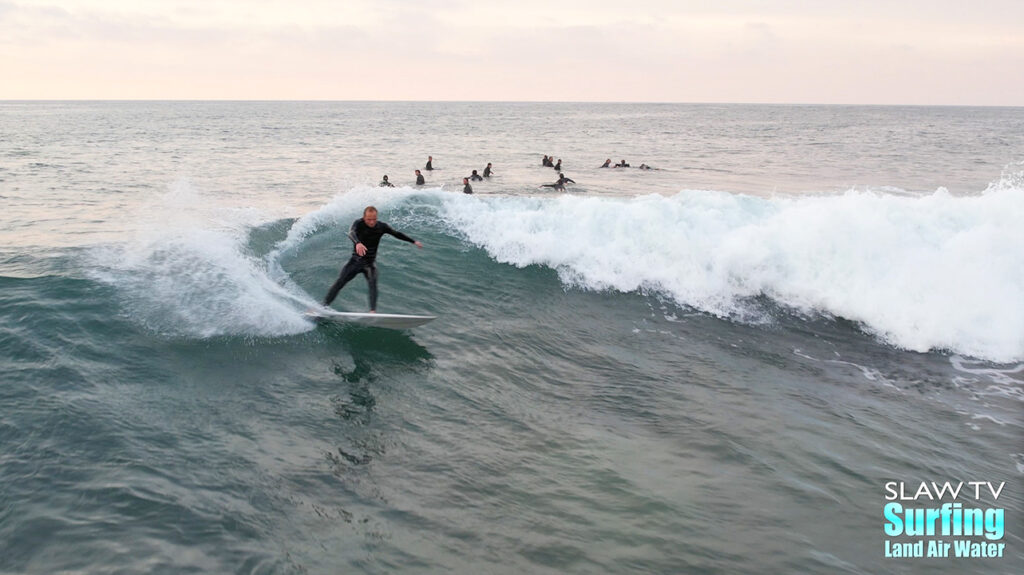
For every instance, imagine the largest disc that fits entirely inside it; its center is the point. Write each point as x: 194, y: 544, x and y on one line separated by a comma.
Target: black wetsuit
x: 560, y: 184
x: 487, y: 172
x: 419, y: 180
x: 558, y: 166
x: 385, y: 184
x: 467, y: 189
x: 360, y: 233
x: 430, y: 165
x: 476, y: 178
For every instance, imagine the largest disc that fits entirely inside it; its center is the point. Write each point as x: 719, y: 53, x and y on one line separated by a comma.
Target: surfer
x: 487, y: 170
x: 385, y: 183
x: 466, y: 188
x: 419, y: 179
x: 560, y: 184
x: 430, y: 163
x: 558, y: 166
x: 607, y: 163
x: 622, y: 164
x: 365, y: 234
x: 475, y: 177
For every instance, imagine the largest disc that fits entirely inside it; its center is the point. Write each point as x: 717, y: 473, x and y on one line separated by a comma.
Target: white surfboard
x: 388, y: 320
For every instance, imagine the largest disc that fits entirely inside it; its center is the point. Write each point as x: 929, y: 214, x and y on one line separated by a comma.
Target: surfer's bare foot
x: 373, y: 311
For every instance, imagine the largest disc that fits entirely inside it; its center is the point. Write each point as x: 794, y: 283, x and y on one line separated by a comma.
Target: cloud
x: 663, y: 50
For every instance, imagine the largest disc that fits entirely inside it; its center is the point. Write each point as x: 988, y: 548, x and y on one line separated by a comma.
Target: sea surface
x: 713, y: 366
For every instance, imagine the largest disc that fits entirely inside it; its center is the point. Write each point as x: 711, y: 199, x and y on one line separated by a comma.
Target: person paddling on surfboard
x: 560, y: 184
x: 365, y: 234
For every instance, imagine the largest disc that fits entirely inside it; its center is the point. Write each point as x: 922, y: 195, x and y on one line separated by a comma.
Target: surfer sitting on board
x: 365, y: 233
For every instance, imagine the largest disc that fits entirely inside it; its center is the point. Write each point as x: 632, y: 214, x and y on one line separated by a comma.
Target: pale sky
x: 787, y: 51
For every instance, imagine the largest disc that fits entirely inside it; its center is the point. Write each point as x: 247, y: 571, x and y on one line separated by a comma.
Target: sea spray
x: 188, y: 273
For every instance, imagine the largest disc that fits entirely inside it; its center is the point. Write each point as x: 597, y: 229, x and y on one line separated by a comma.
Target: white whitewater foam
x: 933, y: 272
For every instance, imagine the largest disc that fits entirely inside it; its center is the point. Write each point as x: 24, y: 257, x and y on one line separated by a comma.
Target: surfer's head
x: 370, y: 216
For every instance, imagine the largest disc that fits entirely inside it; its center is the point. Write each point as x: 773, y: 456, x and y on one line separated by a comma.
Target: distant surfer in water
x: 365, y: 234
x: 475, y: 177
x: 419, y: 179
x: 430, y: 163
x: 560, y: 184
x: 487, y: 170
x: 385, y: 183
x: 607, y: 163
x: 466, y: 188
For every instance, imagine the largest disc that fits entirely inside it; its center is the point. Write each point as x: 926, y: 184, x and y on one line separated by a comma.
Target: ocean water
x: 713, y: 366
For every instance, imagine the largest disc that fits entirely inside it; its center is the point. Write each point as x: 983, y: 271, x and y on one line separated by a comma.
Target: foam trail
x: 933, y: 272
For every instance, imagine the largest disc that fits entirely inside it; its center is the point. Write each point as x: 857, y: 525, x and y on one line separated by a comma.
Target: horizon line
x: 595, y: 102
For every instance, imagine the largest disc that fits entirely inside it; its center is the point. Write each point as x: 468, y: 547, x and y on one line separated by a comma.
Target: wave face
x: 922, y: 273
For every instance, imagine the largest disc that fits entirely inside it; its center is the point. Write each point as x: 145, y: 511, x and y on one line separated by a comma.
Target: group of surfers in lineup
x: 366, y: 232
x: 420, y: 180
x: 548, y: 161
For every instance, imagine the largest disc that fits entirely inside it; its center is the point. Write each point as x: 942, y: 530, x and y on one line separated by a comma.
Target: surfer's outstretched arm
x: 392, y: 231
